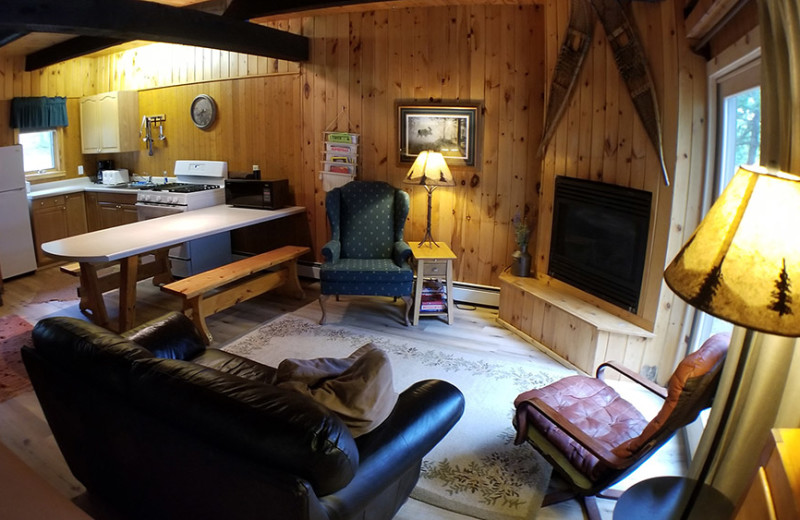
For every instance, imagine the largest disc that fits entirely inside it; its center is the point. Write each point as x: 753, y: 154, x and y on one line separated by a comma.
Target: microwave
x: 256, y: 193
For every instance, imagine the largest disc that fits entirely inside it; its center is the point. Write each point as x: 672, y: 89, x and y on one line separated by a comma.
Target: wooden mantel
x: 579, y: 332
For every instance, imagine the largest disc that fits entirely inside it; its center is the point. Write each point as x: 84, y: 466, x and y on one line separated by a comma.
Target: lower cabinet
x: 105, y: 210
x: 54, y: 218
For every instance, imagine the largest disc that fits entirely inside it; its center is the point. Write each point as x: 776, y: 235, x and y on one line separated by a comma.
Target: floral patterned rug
x: 14, y: 333
x: 476, y: 470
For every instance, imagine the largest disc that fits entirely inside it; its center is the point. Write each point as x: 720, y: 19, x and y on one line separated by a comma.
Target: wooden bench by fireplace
x: 577, y: 331
x: 211, y: 291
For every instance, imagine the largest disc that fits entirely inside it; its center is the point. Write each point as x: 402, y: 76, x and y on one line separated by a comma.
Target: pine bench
x: 211, y: 291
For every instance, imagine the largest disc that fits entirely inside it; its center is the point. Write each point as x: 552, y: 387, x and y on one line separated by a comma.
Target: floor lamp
x: 739, y: 265
x: 429, y: 170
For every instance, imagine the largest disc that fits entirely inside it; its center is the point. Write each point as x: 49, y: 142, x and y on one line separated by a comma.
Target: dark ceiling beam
x: 83, y: 45
x: 136, y: 20
x: 249, y: 9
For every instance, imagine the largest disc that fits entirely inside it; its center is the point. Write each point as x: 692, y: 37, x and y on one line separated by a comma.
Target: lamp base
x: 663, y: 498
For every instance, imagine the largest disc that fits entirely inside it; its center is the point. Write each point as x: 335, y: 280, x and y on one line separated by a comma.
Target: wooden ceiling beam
x: 124, y: 20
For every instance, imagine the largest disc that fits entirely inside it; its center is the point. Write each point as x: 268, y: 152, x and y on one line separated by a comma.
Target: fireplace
x: 599, y: 239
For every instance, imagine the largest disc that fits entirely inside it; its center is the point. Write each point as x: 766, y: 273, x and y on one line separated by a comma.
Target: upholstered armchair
x: 366, y: 254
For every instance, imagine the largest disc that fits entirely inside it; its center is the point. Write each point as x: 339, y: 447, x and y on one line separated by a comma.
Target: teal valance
x: 38, y: 113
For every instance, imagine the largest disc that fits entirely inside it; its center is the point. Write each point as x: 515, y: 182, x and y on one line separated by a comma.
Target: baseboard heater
x: 483, y: 295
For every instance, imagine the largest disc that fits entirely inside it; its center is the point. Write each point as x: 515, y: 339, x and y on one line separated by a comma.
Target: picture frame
x: 450, y: 130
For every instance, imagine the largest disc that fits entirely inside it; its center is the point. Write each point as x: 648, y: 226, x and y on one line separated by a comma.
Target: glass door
x: 737, y: 141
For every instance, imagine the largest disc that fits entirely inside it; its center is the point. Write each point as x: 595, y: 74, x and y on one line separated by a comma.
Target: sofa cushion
x: 235, y: 365
x: 258, y: 421
x: 88, y: 349
x: 172, y: 336
x: 357, y: 388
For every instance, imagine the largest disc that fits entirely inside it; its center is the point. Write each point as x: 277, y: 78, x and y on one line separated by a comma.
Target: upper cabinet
x: 109, y: 122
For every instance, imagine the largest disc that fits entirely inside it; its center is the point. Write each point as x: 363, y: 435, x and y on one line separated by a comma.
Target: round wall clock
x: 203, y: 111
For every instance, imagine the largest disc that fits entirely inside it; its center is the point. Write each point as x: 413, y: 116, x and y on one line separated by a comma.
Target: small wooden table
x: 433, y: 263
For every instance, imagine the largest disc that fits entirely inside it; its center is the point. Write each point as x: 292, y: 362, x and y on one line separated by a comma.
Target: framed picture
x: 450, y: 130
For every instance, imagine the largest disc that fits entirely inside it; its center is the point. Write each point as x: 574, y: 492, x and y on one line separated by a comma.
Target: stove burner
x: 180, y: 187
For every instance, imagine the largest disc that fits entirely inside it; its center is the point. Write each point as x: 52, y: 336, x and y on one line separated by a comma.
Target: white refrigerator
x: 17, y: 255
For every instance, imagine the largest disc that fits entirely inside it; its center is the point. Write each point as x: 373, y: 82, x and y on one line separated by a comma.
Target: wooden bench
x: 211, y: 291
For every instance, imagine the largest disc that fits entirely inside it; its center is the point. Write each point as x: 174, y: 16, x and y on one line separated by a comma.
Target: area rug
x: 476, y: 470
x: 14, y: 333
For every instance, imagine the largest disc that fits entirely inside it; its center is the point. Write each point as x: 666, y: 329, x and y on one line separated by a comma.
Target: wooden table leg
x: 94, y: 297
x: 127, y: 292
x: 164, y: 274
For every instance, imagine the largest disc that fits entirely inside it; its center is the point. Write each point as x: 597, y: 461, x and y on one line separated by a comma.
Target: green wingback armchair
x: 366, y: 254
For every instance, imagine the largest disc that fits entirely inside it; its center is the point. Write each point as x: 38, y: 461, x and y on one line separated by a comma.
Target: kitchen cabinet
x: 110, y: 122
x: 105, y: 210
x: 54, y: 218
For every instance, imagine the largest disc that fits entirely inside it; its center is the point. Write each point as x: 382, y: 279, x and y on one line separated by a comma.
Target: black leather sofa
x: 157, y: 426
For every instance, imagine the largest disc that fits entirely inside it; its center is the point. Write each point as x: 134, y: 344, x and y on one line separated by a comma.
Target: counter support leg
x: 127, y: 292
x: 94, y: 297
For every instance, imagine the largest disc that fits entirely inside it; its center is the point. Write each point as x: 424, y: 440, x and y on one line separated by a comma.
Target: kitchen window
x: 41, y: 153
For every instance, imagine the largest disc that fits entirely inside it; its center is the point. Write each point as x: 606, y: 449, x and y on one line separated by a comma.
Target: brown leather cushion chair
x: 594, y: 438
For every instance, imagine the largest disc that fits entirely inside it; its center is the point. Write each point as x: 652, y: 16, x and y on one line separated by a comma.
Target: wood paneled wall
x: 601, y: 138
x: 362, y: 64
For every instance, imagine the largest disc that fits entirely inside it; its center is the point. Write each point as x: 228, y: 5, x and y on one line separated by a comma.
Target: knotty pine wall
x: 273, y: 113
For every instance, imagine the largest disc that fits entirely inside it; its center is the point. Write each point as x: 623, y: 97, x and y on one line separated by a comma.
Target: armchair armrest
x: 401, y: 252
x: 332, y: 250
x: 423, y: 415
x: 172, y: 336
x: 633, y: 376
x: 588, y: 442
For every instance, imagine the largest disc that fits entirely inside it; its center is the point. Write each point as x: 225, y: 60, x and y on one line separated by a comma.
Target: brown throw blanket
x: 357, y: 388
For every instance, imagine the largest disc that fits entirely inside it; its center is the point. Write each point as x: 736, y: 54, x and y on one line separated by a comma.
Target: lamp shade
x: 743, y: 260
x: 430, y: 169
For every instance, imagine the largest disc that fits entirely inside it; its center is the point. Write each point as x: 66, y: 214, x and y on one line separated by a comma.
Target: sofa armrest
x: 401, y: 252
x: 424, y: 414
x: 172, y: 336
x: 331, y: 251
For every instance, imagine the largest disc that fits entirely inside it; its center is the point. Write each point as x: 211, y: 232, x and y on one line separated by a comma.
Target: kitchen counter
x: 124, y: 241
x: 75, y: 186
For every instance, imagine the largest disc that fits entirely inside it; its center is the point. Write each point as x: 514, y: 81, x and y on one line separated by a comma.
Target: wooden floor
x: 24, y: 430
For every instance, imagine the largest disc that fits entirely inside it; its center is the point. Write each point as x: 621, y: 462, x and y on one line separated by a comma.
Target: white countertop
x: 140, y: 237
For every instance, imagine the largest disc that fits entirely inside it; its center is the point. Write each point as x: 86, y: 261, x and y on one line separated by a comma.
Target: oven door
x: 147, y: 211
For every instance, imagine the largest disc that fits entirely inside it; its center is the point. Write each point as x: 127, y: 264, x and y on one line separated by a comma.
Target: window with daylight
x: 39, y: 152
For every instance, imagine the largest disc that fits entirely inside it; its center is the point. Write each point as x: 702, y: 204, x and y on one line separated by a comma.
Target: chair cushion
x: 368, y: 271
x: 367, y: 220
x: 592, y: 406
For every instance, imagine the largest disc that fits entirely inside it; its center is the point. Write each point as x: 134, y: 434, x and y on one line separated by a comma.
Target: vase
x: 521, y: 262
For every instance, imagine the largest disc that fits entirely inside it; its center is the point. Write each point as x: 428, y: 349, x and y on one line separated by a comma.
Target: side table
x: 433, y: 263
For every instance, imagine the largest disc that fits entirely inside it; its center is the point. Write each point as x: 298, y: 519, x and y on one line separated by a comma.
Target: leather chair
x: 594, y: 438
x: 366, y: 254
x: 157, y: 426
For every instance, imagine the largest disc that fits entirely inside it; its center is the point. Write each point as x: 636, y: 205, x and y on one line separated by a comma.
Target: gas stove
x: 200, y: 184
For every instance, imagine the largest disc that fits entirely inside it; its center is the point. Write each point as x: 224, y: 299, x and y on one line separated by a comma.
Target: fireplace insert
x: 599, y: 239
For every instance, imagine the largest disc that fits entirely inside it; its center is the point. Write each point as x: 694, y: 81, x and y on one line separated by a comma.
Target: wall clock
x: 203, y: 111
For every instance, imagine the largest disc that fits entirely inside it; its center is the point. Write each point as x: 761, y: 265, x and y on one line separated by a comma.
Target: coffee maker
x: 106, y: 164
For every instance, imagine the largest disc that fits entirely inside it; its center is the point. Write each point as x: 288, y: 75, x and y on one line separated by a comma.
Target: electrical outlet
x: 80, y: 169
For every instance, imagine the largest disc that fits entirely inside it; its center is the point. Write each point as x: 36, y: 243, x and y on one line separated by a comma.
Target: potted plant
x: 521, y: 259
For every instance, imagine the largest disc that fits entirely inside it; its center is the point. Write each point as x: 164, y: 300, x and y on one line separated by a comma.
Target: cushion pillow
x: 358, y: 388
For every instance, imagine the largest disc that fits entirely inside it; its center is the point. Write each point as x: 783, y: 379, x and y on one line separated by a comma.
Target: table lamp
x: 740, y: 265
x: 429, y: 170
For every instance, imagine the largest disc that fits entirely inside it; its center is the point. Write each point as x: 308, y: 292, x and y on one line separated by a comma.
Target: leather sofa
x: 157, y: 426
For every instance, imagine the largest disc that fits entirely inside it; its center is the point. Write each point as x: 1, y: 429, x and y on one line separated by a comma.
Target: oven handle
x: 145, y: 211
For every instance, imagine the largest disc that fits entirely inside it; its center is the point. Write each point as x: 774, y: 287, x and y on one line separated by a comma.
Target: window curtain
x: 769, y: 391
x: 38, y: 113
